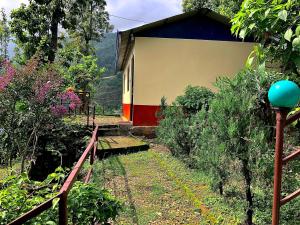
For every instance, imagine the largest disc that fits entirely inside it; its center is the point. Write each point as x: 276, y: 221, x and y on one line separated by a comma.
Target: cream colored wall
x: 164, y: 67
x: 126, y: 93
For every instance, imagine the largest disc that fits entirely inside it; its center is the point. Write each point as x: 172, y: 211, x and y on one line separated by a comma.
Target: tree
x: 92, y: 22
x: 224, y: 7
x: 30, y: 26
x: 4, y: 35
x: 189, y: 5
x: 84, y: 72
x: 36, y: 26
x: 276, y: 26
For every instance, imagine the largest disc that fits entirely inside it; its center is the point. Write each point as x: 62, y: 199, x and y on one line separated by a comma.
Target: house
x: 163, y: 58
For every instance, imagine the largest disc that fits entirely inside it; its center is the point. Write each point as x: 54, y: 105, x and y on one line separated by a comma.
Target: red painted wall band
x: 145, y: 115
x: 126, y: 111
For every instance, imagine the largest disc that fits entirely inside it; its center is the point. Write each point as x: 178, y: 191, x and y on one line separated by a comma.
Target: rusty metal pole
x: 281, y: 114
x: 63, y: 209
x: 88, y: 116
x: 94, y: 116
x: 92, y: 156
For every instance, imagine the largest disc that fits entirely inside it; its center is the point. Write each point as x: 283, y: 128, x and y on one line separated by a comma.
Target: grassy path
x: 158, y: 189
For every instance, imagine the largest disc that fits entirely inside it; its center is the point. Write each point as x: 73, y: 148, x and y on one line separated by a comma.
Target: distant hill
x: 109, y: 90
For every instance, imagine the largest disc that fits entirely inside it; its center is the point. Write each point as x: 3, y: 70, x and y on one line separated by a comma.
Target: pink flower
x: 8, y: 75
x: 58, y: 110
x: 72, y: 106
x: 70, y: 98
x: 42, y: 92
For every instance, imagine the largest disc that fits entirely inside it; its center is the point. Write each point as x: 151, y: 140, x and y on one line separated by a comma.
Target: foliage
x: 227, y: 8
x: 194, y: 99
x: 240, y: 131
x: 59, y: 145
x: 90, y: 204
x: 233, y: 141
x: 87, y: 203
x: 84, y: 73
x: 276, y: 25
x: 174, y: 129
x: 36, y: 25
x: 92, y: 22
x: 30, y: 27
x: 4, y: 35
x: 109, y: 90
x: 30, y: 99
x: 19, y: 194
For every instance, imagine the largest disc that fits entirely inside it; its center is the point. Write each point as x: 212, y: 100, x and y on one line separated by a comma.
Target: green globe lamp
x: 284, y: 94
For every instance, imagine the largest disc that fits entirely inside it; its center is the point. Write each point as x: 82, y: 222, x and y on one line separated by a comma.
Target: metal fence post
x: 92, y: 156
x: 281, y: 115
x: 94, y: 116
x: 88, y: 116
x: 63, y: 209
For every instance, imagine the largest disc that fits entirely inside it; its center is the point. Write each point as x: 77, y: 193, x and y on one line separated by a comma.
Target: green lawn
x: 158, y: 189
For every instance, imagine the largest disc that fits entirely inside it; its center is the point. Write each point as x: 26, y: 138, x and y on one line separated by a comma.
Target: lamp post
x: 283, y: 95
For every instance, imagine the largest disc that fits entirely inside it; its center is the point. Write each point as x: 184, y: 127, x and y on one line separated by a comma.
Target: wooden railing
x: 282, y: 121
x: 67, y: 186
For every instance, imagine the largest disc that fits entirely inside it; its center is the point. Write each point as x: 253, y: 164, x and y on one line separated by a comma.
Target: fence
x: 282, y: 121
x: 67, y: 186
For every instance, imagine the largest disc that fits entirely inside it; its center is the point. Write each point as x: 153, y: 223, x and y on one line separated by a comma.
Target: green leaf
x: 55, y: 202
x: 267, y: 12
x: 296, y: 60
x: 283, y: 15
x: 288, y: 34
x: 298, y: 30
x: 249, y: 61
x: 251, y: 26
x: 296, y: 43
x: 243, y: 33
x: 50, y: 223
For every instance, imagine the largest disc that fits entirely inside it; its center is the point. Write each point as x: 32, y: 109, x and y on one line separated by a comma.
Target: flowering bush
x: 8, y: 75
x: 31, y: 100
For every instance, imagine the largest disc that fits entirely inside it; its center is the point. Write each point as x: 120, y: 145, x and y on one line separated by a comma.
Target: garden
x: 212, y: 161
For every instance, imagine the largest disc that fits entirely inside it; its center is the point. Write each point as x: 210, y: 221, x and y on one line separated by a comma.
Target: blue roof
x: 197, y: 27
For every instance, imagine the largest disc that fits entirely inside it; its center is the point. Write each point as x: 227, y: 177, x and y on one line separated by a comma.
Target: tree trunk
x: 249, y: 196
x: 23, y: 163
x: 221, y: 189
x: 54, y: 31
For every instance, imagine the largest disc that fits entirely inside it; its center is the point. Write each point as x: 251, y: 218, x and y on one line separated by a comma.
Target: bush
x: 233, y: 141
x: 87, y: 204
x: 194, y: 99
x: 174, y: 129
x: 31, y: 100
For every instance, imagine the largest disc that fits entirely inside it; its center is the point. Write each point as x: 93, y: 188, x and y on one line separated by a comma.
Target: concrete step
x: 115, y: 145
x: 108, y: 126
x: 109, y: 132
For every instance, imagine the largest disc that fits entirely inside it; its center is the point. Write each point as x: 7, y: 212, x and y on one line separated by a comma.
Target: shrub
x: 87, y: 204
x: 233, y: 140
x: 194, y: 99
x: 174, y: 129
x: 30, y: 106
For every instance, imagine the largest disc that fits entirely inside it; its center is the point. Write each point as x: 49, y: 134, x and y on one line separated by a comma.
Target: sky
x: 143, y: 11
